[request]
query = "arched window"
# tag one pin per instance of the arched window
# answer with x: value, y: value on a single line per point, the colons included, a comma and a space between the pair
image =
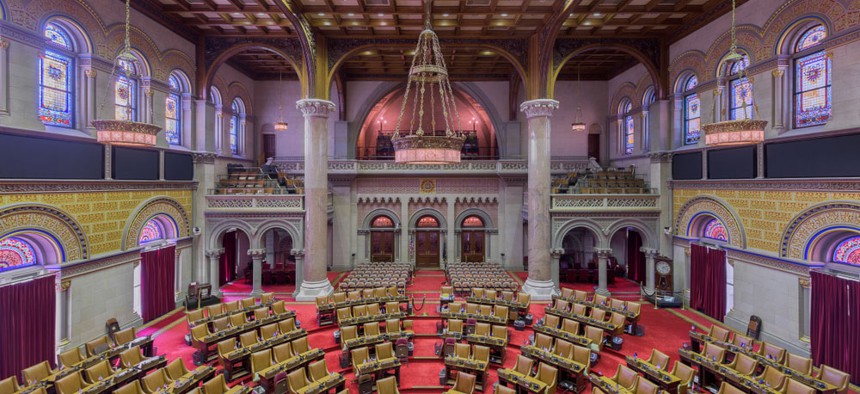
x: 173, y: 111
x: 715, y: 230
x: 848, y: 251
x: 627, y: 126
x: 647, y: 99
x: 56, y: 78
x: 126, y: 90
x: 158, y: 227
x: 16, y: 253
x: 812, y: 80
x: 382, y: 221
x: 473, y: 221
x: 215, y: 98
x: 692, y: 111
x: 428, y: 222
x: 237, y: 120
x: 740, y: 100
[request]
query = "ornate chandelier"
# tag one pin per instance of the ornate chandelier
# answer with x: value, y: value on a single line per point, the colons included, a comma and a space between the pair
x: 738, y: 131
x: 578, y: 126
x: 429, y: 85
x: 280, y: 125
x: 125, y: 131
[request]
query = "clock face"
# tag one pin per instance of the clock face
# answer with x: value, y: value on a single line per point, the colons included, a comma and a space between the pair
x: 663, y: 268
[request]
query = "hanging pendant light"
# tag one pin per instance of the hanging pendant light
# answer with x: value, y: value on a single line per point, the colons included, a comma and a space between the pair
x: 118, y: 131
x: 280, y: 125
x: 739, y: 131
x: 578, y: 126
x: 428, y: 82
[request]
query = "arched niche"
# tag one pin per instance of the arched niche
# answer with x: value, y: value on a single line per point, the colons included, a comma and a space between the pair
x: 693, y: 213
x: 149, y: 209
x: 45, y: 223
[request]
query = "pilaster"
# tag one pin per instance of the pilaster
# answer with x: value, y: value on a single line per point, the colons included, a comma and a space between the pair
x: 602, y: 264
x: 257, y: 256
x: 214, y: 270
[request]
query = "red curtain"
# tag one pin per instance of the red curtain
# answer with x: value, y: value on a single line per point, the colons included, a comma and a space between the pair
x: 635, y: 258
x: 27, y: 325
x: 834, y: 318
x: 228, y: 259
x: 157, y: 276
x: 708, y: 281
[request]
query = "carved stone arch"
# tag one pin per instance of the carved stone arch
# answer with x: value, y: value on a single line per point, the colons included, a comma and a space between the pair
x: 626, y: 91
x: 649, y: 235
x: 158, y: 205
x: 4, y: 12
x: 833, y: 14
x: 562, y: 57
x: 237, y: 89
x: 368, y: 219
x: 591, y: 225
x: 33, y: 14
x: 80, y: 33
x: 749, y: 42
x: 217, y: 55
x: 807, y: 225
x: 40, y: 217
x: 141, y: 42
x: 712, y: 206
x: 688, y: 63
x: 222, y: 86
x: 280, y: 224
x: 413, y: 221
x: 485, y: 217
x: 220, y: 228
x: 788, y: 35
x: 175, y: 60
x: 721, y: 70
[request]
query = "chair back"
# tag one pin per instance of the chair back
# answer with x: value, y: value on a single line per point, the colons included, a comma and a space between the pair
x: 773, y: 377
x: 387, y: 385
x: 199, y: 332
x: 798, y: 363
x: 835, y: 377
x: 359, y: 356
x: 131, y: 357
x: 384, y: 350
x: 268, y: 331
x: 598, y: 314
x: 551, y: 321
x: 373, y: 309
x: 125, y: 336
x: 232, y: 306
x: 684, y: 372
x: 339, y: 296
x: 481, y: 353
x: 543, y: 341
x: 175, y: 369
x: 297, y: 380
x: 626, y: 377
x: 500, y: 311
x: 37, y: 372
x: 226, y: 346
x: 582, y: 355
x: 300, y: 345
x: 455, y: 326
x: 563, y: 348
x: 248, y: 338
x: 524, y: 298
x: 595, y: 334
x: 216, y: 385
x: 70, y: 384
x: 392, y: 326
x: 285, y: 326
x: 794, y: 387
x: 726, y: 388
x: 579, y: 295
x: 282, y: 352
x: 261, y: 313
x: 660, y: 359
x: 773, y: 352
x: 248, y: 302
x: 465, y: 383
x: 279, y: 307
x: 744, y: 364
x: 618, y: 320
x: 616, y: 304
x: 237, y: 319
x: 70, y: 357
x: 601, y: 299
x: 561, y: 304
x: 644, y: 386
x: 261, y: 360
x: 349, y: 332
x: 500, y: 332
x: 482, y: 329
x: 97, y: 346
x: 524, y: 365
x: 462, y: 350
x: 636, y: 308
x: 154, y: 381
x: 195, y: 315
x: 719, y: 333
x: 131, y: 388
x: 578, y: 309
x: 714, y: 352
x: 566, y: 293
x: 266, y: 298
x: 344, y: 313
x: 220, y: 324
x: 9, y: 385
x: 549, y: 375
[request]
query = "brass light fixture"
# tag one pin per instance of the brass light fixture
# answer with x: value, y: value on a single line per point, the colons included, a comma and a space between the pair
x: 739, y: 131
x: 118, y: 131
x: 578, y: 126
x: 280, y: 125
x: 428, y: 82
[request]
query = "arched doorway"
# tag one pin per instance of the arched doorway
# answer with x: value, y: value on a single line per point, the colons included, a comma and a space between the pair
x: 427, y: 238
x: 630, y: 260
x: 382, y: 239
x: 234, y: 260
x: 473, y: 239
x: 279, y: 265
x: 578, y: 262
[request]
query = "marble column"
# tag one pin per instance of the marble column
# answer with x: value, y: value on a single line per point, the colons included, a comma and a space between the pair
x: 555, y: 255
x: 270, y: 248
x: 602, y: 263
x: 214, y: 257
x: 538, y: 112
x: 299, y: 255
x: 257, y: 256
x: 650, y: 254
x: 315, y: 282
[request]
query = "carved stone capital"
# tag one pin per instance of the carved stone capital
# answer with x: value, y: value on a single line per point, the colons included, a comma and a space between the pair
x: 90, y: 73
x: 315, y: 107
x: 4, y: 44
x: 203, y: 158
x: 650, y: 253
x: 65, y: 284
x: 660, y: 157
x: 556, y: 253
x: 805, y: 282
x: 539, y: 107
x: 687, y: 252
x: 778, y: 73
x: 299, y: 253
x: 257, y: 253
x: 603, y: 253
x: 214, y: 253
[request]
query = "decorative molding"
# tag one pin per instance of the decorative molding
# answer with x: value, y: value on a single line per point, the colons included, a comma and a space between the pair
x: 65, y: 284
x: 60, y: 225
x: 804, y: 282
x: 149, y: 209
x: 539, y: 107
x: 214, y: 253
x: 807, y: 225
x: 800, y: 268
x: 299, y: 253
x: 315, y: 107
x: 257, y: 253
x: 79, y: 268
x: 203, y: 157
x: 661, y: 157
x: 714, y: 207
x: 293, y: 202
x: 818, y: 185
x: 778, y: 73
x: 82, y: 186
x: 603, y: 253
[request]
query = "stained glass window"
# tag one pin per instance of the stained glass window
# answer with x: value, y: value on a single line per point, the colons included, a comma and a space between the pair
x: 125, y: 92
x: 715, y: 230
x: 473, y: 221
x: 692, y: 112
x: 626, y: 126
x: 16, y: 253
x: 810, y: 38
x: 428, y: 221
x: 55, y: 90
x: 812, y: 93
x: 848, y: 251
x: 151, y: 231
x: 57, y: 35
x: 740, y: 101
x: 173, y: 112
x: 234, y: 127
x: 382, y: 221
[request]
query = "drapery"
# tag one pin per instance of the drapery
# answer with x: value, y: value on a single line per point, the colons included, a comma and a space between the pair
x: 27, y: 324
x: 157, y: 275
x: 708, y: 281
x: 635, y: 258
x: 834, y: 318
x: 228, y: 259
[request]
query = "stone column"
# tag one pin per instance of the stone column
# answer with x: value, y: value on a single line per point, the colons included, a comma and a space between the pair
x: 452, y: 248
x: 555, y: 255
x: 539, y: 283
x: 299, y: 254
x: 257, y: 256
x: 270, y: 248
x: 404, y: 232
x: 778, y: 98
x: 602, y: 263
x: 315, y: 282
x: 649, y: 268
x: 214, y: 257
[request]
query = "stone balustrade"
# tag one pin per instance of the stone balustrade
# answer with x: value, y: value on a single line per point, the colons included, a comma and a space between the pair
x: 605, y: 202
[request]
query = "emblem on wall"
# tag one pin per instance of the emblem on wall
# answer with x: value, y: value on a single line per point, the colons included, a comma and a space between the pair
x: 428, y: 186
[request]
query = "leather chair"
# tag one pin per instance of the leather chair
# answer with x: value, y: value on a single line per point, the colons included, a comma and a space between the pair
x: 359, y: 357
x: 486, y: 310
x: 354, y: 295
x: 456, y: 306
x: 318, y: 370
x: 373, y: 309
x: 743, y: 364
x: 37, y: 372
x: 563, y: 348
x: 478, y: 292
x: 798, y: 363
x: 551, y: 321
x: 218, y: 385
x: 9, y: 385
x: 282, y: 352
x: 617, y: 304
x: 220, y: 324
x: 260, y: 361
x: 97, y: 346
x: 482, y: 329
x: 481, y: 353
x: 500, y: 311
x: 595, y: 334
x: 464, y: 384
x: 266, y: 298
x: 279, y: 307
x: 601, y: 299
x: 131, y: 388
x: 524, y: 365
x: 561, y: 304
x: 248, y: 338
x: 125, y: 336
x: 392, y: 291
x: 232, y: 306
x: 742, y: 341
x: 387, y: 385
x: 772, y: 352
x: 625, y: 377
x: 194, y: 315
x: 634, y: 307
x: 491, y: 294
x: 300, y: 346
x: 131, y: 357
x: 719, y: 333
x: 225, y: 347
x: 582, y: 355
x: 343, y: 314
x: 237, y: 319
x: 297, y: 381
x: 714, y: 353
x: 524, y: 298
x: 794, y: 387
x: 507, y: 295
x: 772, y: 377
x: 835, y: 377
x: 214, y: 310
x: 578, y: 309
x: 154, y: 381
x: 579, y: 295
x: 471, y: 308
x: 500, y: 332
x: 619, y: 321
x: 566, y: 293
x: 339, y: 296
x: 359, y: 310
x: 367, y: 293
x: 726, y: 388
x: 175, y: 369
x: 384, y: 351
x: 455, y: 327
x: 348, y: 333
x: 462, y: 350
x: 70, y: 357
x: 598, y: 314
x: 261, y: 313
x: 380, y: 292
x: 543, y: 341
x: 249, y: 302
x: 268, y: 331
x: 549, y: 375
x: 70, y: 384
x: 659, y: 359
x: 644, y: 386
x: 371, y: 329
x: 200, y: 332
x: 285, y: 326
x: 683, y: 372
x: 392, y: 307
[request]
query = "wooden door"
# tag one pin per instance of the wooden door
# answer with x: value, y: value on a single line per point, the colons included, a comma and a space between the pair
x: 268, y: 146
x: 472, y: 245
x: 427, y: 249
x: 594, y: 146
x: 381, y: 246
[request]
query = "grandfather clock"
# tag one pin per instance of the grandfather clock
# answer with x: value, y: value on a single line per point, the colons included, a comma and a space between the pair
x: 665, y: 280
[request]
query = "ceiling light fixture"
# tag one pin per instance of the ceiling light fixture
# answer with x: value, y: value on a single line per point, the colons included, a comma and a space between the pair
x: 578, y: 126
x: 280, y: 125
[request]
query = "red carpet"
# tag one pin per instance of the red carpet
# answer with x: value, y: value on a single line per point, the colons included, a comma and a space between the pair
x: 663, y: 330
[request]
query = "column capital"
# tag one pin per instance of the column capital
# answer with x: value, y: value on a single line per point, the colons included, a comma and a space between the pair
x: 660, y: 157
x: 257, y: 253
x: 315, y: 107
x: 556, y: 253
x: 603, y: 253
x: 4, y: 44
x: 539, y: 107
x: 649, y: 252
x: 203, y: 158
x: 214, y: 253
x: 299, y: 253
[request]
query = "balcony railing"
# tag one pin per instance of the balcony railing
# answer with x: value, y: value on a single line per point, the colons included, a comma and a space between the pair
x: 278, y: 202
x: 605, y: 202
x: 296, y: 166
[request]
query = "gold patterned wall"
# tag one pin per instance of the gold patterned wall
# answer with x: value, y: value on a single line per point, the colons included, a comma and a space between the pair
x: 764, y: 214
x: 102, y: 215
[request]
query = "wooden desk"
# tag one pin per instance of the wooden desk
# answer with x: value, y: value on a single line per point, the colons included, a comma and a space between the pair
x: 656, y: 375
x: 609, y: 328
x: 522, y: 383
x: 189, y: 381
x: 243, y: 354
x: 267, y: 376
x: 497, y: 346
x: 333, y: 380
x: 479, y: 318
x: 568, y: 369
x: 607, y: 385
x: 378, y: 366
x: 567, y: 336
x: 247, y: 311
x: 352, y: 321
x: 474, y: 367
x: 204, y: 354
x: 520, y: 308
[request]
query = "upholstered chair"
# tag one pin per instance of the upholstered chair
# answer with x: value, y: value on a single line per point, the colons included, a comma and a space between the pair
x: 551, y: 321
x: 131, y: 357
x: 260, y: 361
x: 384, y: 351
x: 659, y: 359
x: 462, y: 350
x: 524, y: 365
x: 69, y: 384
x: 743, y: 364
x: 268, y: 331
x: 726, y: 388
x: 549, y: 375
x: 9, y: 385
x: 798, y: 363
x: 285, y: 326
x: 175, y: 369
x: 131, y: 388
x: 625, y: 377
x: 154, y: 381
x: 300, y: 346
x: 773, y: 377
x: 37, y: 372
x: 70, y: 357
x: 719, y: 333
x: 97, y: 346
x: 644, y: 386
x: 835, y: 377
x: 387, y: 385
x: 125, y: 336
x: 543, y: 341
x: 794, y: 387
x: 282, y: 352
x: 464, y: 384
